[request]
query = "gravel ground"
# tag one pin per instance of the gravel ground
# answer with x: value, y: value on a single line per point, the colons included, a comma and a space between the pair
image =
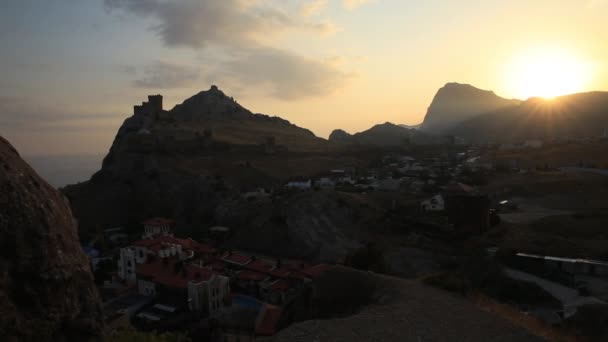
x: 409, y: 311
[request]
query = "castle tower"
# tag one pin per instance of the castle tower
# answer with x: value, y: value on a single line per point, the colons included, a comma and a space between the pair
x: 156, y: 103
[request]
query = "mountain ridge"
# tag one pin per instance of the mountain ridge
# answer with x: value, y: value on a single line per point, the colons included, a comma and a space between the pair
x: 455, y: 102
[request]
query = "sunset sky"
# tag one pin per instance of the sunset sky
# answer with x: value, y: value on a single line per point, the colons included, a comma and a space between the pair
x: 72, y: 69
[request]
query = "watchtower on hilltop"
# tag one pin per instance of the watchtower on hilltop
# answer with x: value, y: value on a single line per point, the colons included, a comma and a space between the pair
x: 152, y: 107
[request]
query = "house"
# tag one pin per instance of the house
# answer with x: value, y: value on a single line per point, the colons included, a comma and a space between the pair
x: 157, y: 226
x: 299, y: 184
x: 203, y: 290
x: 325, y: 183
x: 139, y: 252
x: 467, y: 209
x: 436, y: 203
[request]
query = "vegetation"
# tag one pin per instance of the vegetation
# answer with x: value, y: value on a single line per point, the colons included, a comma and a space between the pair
x: 137, y: 336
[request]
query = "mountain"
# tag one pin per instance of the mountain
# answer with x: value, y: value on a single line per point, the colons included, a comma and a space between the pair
x: 386, y: 134
x: 46, y: 287
x: 570, y: 116
x: 183, y: 162
x: 411, y: 126
x: 455, y: 103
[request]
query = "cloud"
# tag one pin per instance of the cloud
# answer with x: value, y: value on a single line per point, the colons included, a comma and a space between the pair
x: 354, y: 4
x: 236, y: 36
x: 284, y: 75
x: 162, y: 75
x: 199, y: 23
x: 313, y: 7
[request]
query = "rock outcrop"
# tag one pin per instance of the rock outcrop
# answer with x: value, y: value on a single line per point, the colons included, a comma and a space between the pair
x: 455, y: 103
x: 340, y: 136
x: 396, y: 310
x: 46, y: 286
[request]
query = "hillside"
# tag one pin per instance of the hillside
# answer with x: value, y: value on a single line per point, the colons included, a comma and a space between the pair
x: 229, y: 122
x: 391, y: 309
x: 570, y: 116
x: 46, y: 288
x: 455, y: 103
x: 386, y: 134
x: 183, y: 162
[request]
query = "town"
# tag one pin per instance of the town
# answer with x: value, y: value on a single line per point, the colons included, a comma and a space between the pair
x: 154, y: 280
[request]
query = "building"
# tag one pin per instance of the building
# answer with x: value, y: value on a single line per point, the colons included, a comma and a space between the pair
x: 299, y: 184
x: 157, y: 226
x: 468, y: 210
x: 203, y: 290
x: 436, y: 203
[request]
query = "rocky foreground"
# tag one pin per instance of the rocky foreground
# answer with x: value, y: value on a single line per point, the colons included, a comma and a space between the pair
x: 46, y: 286
x: 403, y: 310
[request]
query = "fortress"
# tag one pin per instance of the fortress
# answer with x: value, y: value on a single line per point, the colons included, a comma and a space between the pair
x: 153, y: 107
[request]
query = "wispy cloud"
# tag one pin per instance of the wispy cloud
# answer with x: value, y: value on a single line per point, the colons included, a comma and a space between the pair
x: 240, y: 29
x: 162, y: 75
x: 313, y: 7
x: 354, y: 4
x: 285, y: 75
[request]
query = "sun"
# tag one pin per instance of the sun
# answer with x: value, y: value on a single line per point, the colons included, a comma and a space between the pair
x: 547, y: 73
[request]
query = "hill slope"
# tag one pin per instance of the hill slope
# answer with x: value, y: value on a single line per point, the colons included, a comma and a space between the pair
x: 454, y: 103
x: 398, y: 310
x: 577, y: 115
x: 386, y: 134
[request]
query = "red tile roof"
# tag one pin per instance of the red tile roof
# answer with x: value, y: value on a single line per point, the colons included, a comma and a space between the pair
x: 157, y: 221
x: 281, y: 272
x: 157, y: 242
x: 251, y: 275
x: 260, y: 265
x: 280, y: 285
x: 315, y: 271
x: 165, y: 274
x: 268, y: 320
x: 236, y: 258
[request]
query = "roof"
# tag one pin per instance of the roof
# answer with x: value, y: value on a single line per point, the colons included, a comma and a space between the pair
x: 155, y: 244
x: 460, y: 188
x: 219, y: 229
x: 251, y: 275
x: 157, y: 221
x: 260, y: 265
x: 237, y: 258
x: 268, y: 320
x: 280, y: 285
x: 281, y: 272
x: 315, y: 271
x: 169, y: 275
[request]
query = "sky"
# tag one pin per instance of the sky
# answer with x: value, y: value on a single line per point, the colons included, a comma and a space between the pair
x: 72, y: 69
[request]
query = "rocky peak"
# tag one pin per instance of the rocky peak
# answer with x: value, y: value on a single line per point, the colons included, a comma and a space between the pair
x: 340, y: 136
x: 454, y: 103
x: 46, y: 287
x: 212, y: 103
